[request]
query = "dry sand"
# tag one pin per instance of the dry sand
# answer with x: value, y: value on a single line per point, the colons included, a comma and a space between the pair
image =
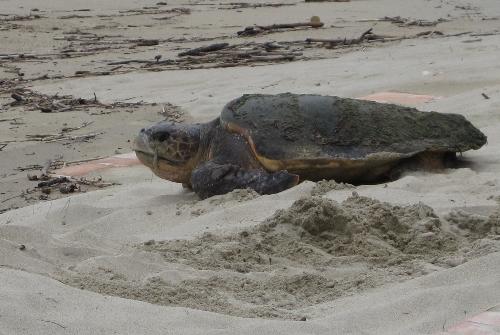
x: 146, y: 257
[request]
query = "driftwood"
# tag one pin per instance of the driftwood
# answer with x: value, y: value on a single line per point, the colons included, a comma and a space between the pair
x: 146, y: 43
x: 130, y: 61
x: 272, y: 58
x: 406, y: 22
x: 60, y: 137
x: 242, y: 5
x: 255, y: 30
x: 204, y: 49
x: 155, y: 10
x: 74, y: 16
x: 63, y: 135
x: 327, y: 0
x: 52, y: 182
x: 367, y: 35
x: 10, y: 119
x: 429, y: 32
x: 69, y: 129
x: 53, y: 104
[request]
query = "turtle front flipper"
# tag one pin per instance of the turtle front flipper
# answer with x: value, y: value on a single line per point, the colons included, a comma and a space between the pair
x: 211, y: 179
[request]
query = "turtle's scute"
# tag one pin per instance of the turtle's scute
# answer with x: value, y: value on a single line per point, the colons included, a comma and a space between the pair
x: 291, y: 127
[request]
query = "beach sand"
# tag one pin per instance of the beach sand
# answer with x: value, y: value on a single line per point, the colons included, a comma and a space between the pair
x: 412, y: 256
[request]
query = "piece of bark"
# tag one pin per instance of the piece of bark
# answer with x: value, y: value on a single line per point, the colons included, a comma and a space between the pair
x: 52, y: 182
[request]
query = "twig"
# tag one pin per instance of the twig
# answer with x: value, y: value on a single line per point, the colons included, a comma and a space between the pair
x: 52, y: 182
x: 10, y: 119
x: 49, y: 138
x: 292, y: 25
x: 124, y: 62
x: 251, y: 31
x: 485, y: 96
x: 68, y: 129
x: 30, y: 167
x: 146, y: 43
x: 84, y: 160
x: 13, y: 197
x: 75, y: 138
x: 28, y: 191
x: 57, y: 324
x: 3, y: 145
x: 204, y: 49
x: 333, y: 42
x: 406, y: 22
x: 242, y: 5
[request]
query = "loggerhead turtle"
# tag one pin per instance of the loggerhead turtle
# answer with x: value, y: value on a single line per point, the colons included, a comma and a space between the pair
x: 270, y: 142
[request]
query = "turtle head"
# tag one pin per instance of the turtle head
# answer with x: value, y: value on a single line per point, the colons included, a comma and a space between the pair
x: 169, y: 149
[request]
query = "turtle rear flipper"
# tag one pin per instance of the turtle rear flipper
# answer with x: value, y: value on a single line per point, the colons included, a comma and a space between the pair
x: 211, y: 179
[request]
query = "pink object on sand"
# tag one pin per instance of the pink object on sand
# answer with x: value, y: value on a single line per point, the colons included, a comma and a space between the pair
x: 486, y: 323
x: 400, y: 98
x: 83, y: 169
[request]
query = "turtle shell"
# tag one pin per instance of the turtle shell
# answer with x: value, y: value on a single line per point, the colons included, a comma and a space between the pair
x: 313, y: 132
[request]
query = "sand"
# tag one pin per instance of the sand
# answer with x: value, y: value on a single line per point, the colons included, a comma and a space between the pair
x: 412, y: 256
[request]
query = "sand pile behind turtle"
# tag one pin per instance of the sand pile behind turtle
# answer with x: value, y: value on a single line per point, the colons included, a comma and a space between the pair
x: 324, y: 186
x: 313, y: 252
x: 364, y: 226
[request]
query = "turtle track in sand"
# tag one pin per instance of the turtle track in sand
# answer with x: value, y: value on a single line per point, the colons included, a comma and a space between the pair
x: 313, y: 252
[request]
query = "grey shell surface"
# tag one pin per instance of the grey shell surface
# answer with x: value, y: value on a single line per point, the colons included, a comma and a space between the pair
x: 300, y: 127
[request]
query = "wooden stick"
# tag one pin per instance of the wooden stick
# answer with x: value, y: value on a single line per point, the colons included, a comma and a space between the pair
x: 327, y: 0
x: 52, y: 182
x: 250, y: 31
x: 343, y: 41
x: 124, y: 62
x: 292, y: 25
x: 10, y: 119
x: 204, y: 49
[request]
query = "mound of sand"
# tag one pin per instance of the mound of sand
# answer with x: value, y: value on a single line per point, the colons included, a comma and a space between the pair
x: 313, y: 252
x: 324, y: 186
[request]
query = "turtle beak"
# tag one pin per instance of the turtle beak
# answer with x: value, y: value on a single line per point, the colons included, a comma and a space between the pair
x: 143, y: 150
x: 142, y: 144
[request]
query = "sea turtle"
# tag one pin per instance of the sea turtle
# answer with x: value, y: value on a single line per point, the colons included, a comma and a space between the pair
x: 270, y: 142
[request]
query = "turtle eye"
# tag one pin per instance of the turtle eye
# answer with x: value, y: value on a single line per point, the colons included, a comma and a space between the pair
x: 160, y: 136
